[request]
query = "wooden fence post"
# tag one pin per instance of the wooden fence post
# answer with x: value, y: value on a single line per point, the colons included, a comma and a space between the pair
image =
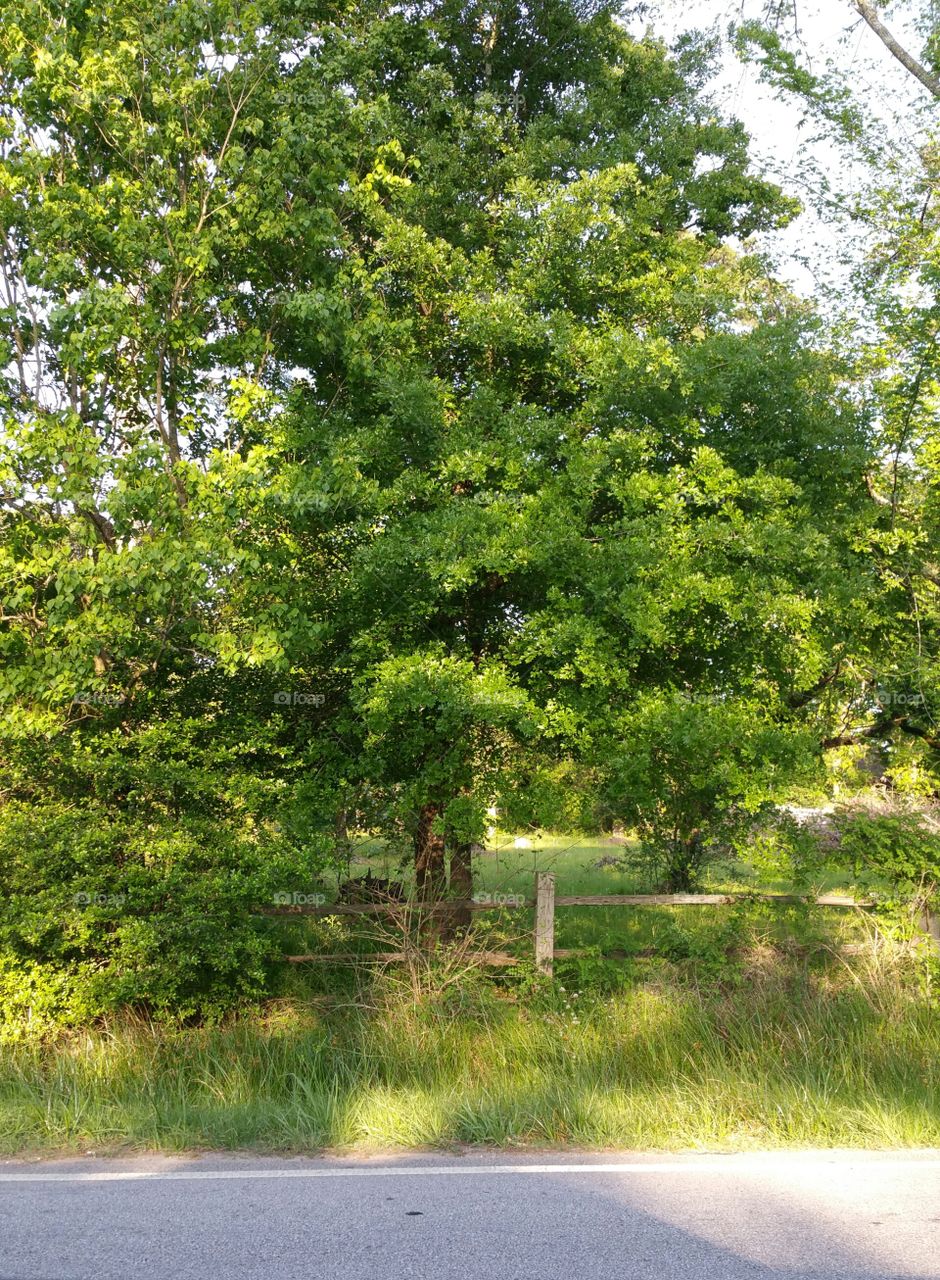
x: 930, y: 923
x: 544, y: 921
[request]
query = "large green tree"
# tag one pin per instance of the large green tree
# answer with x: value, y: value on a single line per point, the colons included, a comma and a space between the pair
x: 393, y: 410
x: 561, y: 442
x: 158, y: 191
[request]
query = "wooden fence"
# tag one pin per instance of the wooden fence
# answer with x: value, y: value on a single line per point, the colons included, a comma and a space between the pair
x: 545, y: 902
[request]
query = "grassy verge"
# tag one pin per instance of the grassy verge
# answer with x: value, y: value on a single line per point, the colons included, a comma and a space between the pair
x: 784, y: 1053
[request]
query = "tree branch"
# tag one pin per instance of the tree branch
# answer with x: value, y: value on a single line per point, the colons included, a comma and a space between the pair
x: 920, y: 72
x: 874, y: 495
x: 855, y: 737
x: 880, y: 729
x: 798, y: 700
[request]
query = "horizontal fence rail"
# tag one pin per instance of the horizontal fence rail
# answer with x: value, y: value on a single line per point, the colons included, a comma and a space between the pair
x: 545, y: 903
x: 702, y: 899
x: 414, y: 905
x: 561, y: 900
x: 503, y: 959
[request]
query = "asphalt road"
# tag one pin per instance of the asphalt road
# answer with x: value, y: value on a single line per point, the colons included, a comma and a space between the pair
x: 812, y: 1215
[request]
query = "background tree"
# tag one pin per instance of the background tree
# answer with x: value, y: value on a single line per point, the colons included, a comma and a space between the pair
x: 887, y: 322
x: 559, y: 437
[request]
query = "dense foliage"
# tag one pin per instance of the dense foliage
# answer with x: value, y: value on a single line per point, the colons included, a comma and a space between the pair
x: 397, y: 423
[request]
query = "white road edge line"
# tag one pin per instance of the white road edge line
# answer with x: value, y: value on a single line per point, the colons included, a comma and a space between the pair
x: 723, y: 1166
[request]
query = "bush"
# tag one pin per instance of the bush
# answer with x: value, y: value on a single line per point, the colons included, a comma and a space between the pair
x: 130, y: 864
x: 896, y: 843
x: 100, y: 912
x: 693, y: 774
x: 794, y: 844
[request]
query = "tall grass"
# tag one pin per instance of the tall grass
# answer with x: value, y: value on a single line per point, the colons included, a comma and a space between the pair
x: 844, y: 1055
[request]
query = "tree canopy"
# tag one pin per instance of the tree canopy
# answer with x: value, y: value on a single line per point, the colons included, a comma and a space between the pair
x: 399, y: 418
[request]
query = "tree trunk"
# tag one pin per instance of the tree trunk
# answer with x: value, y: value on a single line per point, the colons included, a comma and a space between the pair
x: 461, y: 882
x: 430, y: 871
x: 341, y: 837
x: 682, y: 869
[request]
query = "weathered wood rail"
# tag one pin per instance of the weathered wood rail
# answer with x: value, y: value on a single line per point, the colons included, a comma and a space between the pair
x: 561, y: 900
x: 545, y: 903
x: 501, y: 959
x: 383, y: 908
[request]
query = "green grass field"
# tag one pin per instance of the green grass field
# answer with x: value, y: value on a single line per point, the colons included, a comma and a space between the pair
x: 573, y: 859
x: 787, y: 1055
x: 748, y: 1027
x: 509, y: 870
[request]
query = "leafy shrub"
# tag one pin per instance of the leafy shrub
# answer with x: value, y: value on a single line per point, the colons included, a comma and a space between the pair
x: 130, y: 864
x: 692, y: 774
x: 900, y: 845
x: 99, y: 912
x: 710, y: 951
x: 592, y: 971
x: 792, y: 844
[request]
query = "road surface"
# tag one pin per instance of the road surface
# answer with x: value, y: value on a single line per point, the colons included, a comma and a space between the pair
x: 807, y: 1215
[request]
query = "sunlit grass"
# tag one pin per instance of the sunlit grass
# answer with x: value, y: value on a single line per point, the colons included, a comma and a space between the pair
x: 784, y: 1056
x: 747, y: 1029
x: 582, y: 864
